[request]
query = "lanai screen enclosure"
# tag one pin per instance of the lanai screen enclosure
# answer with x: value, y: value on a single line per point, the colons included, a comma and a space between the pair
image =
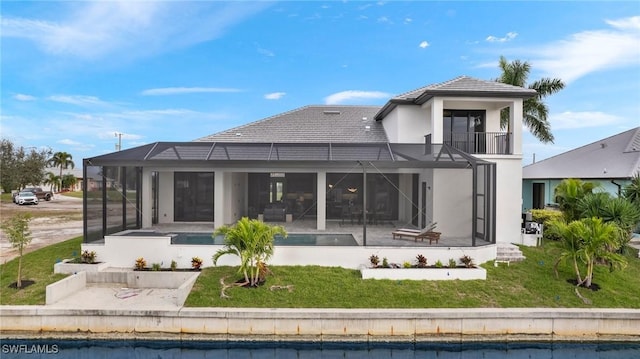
x: 218, y: 182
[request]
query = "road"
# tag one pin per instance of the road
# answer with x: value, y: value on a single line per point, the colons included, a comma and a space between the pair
x: 54, y: 221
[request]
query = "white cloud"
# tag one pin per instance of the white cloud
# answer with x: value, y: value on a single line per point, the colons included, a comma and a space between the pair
x: 69, y: 142
x: 351, y: 95
x: 23, y: 97
x: 384, y: 20
x: 186, y: 90
x: 266, y: 52
x: 590, y: 51
x: 408, y: 20
x: 98, y: 29
x: 424, y: 44
x: 629, y: 23
x: 508, y: 37
x: 79, y: 100
x: 572, y: 120
x: 274, y: 95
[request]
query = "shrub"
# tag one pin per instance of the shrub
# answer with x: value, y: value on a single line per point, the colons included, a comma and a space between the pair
x: 174, y: 265
x: 439, y: 264
x: 385, y: 262
x: 452, y: 263
x: 88, y: 256
x: 156, y: 267
x: 374, y: 260
x: 467, y: 261
x: 422, y: 261
x: 406, y: 264
x: 141, y: 263
x: 196, y: 263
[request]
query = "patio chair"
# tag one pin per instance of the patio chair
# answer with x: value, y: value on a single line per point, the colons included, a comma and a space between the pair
x: 422, y: 234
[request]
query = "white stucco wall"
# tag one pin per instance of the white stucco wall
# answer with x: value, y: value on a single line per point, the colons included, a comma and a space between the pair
x: 407, y: 124
x: 165, y: 197
x: 508, y: 197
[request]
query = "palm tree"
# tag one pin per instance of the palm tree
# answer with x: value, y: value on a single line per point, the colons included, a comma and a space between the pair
x: 52, y: 180
x: 68, y: 181
x: 62, y: 160
x: 597, y: 237
x: 534, y: 110
x: 252, y: 241
x: 619, y: 211
x: 632, y: 190
x: 570, y: 243
x: 589, y: 241
x: 568, y: 193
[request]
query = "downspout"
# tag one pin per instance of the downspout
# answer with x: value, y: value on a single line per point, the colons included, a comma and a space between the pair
x: 619, y: 187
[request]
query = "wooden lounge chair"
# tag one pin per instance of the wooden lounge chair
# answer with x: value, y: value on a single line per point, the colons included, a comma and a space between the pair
x: 422, y: 234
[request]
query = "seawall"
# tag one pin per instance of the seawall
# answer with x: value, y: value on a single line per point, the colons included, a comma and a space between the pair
x: 361, y: 325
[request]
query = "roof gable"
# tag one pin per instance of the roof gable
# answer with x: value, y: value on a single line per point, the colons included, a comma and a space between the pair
x: 310, y: 124
x: 617, y: 156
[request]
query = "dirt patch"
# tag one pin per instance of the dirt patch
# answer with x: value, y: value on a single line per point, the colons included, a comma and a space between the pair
x: 53, y: 222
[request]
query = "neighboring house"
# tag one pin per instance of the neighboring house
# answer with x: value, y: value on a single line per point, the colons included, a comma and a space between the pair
x: 610, y: 162
x: 77, y: 172
x: 435, y: 154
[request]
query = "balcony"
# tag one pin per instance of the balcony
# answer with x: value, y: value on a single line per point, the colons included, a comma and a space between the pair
x: 485, y: 143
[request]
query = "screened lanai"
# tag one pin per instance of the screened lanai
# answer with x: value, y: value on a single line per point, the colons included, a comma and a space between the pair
x: 359, y: 184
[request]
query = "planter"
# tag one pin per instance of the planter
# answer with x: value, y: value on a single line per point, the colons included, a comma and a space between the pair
x: 460, y: 273
x: 67, y: 267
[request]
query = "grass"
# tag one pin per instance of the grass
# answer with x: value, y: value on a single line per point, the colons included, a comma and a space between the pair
x: 36, y: 266
x: 531, y: 283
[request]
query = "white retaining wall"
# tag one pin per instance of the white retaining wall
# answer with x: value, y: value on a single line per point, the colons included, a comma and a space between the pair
x: 540, y: 324
x: 122, y: 252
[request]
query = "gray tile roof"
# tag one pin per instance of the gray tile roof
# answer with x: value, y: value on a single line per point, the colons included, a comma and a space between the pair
x: 460, y: 86
x: 310, y: 124
x: 617, y: 156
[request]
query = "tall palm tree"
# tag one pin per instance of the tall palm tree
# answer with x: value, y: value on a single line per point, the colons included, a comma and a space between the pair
x: 534, y: 110
x: 62, y: 160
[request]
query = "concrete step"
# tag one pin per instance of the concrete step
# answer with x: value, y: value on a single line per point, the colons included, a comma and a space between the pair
x: 509, y: 253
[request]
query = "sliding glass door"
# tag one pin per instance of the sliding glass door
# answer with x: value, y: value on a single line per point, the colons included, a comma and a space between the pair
x: 193, y: 197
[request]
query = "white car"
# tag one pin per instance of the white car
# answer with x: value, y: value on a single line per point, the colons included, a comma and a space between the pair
x: 26, y: 197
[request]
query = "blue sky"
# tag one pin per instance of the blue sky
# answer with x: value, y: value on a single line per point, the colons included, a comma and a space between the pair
x: 75, y: 73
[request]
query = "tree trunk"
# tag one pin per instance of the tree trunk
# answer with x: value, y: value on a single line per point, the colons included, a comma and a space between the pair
x: 575, y: 266
x: 19, y: 281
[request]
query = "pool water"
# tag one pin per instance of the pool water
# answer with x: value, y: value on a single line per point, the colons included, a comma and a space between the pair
x: 293, y: 239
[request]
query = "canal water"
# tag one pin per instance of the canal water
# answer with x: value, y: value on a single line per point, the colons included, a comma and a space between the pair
x: 98, y: 349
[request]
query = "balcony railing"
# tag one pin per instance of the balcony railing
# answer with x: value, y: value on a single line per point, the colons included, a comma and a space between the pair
x: 486, y: 143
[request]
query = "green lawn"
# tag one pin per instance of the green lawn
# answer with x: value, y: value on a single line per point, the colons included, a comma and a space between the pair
x: 36, y: 266
x: 527, y: 284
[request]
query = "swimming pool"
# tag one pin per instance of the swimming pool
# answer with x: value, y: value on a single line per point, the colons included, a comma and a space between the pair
x: 293, y: 239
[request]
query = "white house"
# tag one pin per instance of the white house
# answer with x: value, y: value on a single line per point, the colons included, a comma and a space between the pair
x: 434, y: 154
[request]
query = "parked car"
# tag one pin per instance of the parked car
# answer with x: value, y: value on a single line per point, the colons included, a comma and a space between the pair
x: 39, y: 192
x: 26, y: 197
